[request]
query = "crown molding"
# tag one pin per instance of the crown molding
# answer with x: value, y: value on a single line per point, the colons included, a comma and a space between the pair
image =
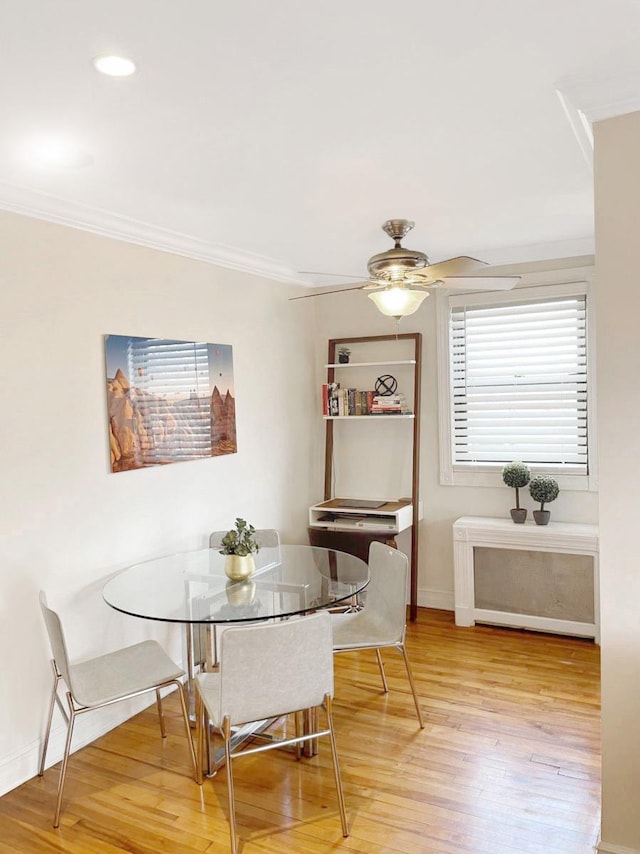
x: 580, y: 125
x: 586, y: 100
x: 603, y: 97
x: 33, y: 203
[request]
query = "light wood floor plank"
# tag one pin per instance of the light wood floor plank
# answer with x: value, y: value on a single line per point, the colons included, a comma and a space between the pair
x: 508, y: 763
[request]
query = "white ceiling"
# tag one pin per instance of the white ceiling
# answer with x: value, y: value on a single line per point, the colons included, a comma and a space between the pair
x: 278, y: 136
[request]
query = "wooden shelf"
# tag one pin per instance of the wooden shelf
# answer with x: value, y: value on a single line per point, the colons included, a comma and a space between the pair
x: 367, y: 417
x: 370, y: 364
x: 361, y: 541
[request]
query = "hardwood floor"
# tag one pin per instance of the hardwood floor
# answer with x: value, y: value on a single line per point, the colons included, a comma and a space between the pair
x: 508, y: 763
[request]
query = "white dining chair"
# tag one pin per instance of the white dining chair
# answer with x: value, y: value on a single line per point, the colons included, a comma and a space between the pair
x: 102, y: 681
x: 383, y: 620
x: 266, y: 671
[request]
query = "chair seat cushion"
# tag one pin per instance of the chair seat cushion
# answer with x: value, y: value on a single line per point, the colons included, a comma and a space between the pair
x: 362, y: 629
x: 109, y: 677
x: 208, y: 685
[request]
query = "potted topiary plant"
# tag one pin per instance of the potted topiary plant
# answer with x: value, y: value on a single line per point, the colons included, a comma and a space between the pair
x: 239, y: 545
x: 343, y: 355
x: 543, y: 489
x: 517, y: 475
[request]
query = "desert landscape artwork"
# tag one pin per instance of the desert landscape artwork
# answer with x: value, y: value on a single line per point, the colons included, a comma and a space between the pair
x: 168, y: 401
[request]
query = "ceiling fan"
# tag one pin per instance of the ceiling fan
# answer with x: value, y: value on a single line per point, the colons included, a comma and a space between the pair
x: 399, y: 279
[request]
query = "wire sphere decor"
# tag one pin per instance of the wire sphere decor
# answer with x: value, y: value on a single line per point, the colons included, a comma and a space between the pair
x: 386, y: 385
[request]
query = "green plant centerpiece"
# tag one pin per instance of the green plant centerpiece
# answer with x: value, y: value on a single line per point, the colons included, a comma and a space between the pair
x: 543, y: 489
x: 239, y: 545
x: 517, y: 476
x: 343, y: 355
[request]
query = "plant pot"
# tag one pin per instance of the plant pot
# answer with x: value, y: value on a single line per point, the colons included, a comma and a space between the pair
x: 240, y: 594
x: 239, y: 567
x: 343, y: 358
x: 518, y: 514
x: 541, y: 517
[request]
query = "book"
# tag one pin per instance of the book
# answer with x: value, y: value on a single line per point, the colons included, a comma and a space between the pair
x: 351, y: 401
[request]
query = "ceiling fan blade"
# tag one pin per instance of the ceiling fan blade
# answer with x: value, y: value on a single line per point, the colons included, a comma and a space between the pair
x: 482, y: 283
x: 459, y: 266
x: 325, y: 293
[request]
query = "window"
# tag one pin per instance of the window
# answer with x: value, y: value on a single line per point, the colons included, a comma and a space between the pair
x: 517, y: 384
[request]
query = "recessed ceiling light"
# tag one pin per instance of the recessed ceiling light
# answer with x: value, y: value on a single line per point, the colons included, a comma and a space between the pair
x: 114, y: 66
x: 57, y: 153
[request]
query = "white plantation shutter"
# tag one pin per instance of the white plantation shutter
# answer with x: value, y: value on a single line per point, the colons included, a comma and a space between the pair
x: 519, y: 384
x: 172, y: 379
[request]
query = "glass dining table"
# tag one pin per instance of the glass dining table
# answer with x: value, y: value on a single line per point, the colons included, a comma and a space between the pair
x: 192, y: 589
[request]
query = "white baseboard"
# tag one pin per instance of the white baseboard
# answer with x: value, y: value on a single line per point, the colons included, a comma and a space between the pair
x: 442, y: 600
x: 608, y: 848
x: 22, y: 765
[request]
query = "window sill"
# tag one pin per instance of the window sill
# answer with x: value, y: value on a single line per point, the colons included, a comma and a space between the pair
x: 566, y: 482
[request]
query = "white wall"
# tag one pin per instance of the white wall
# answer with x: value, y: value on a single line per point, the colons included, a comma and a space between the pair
x: 617, y: 216
x: 66, y: 522
x: 352, y: 314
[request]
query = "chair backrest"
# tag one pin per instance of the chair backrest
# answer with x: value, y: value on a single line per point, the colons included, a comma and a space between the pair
x: 386, y: 593
x: 56, y: 639
x: 264, y: 537
x: 270, y: 669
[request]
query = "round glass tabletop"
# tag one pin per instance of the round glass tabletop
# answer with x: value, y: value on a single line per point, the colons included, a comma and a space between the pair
x: 191, y: 587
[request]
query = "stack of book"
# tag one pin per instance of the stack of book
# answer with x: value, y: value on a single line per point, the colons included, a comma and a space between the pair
x: 338, y: 401
x: 389, y: 404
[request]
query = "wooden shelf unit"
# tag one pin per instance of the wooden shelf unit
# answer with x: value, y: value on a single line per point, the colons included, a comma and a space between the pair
x: 416, y: 362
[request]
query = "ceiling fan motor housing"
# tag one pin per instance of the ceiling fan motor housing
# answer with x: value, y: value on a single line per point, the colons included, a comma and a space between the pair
x: 396, y: 263
x: 391, y: 265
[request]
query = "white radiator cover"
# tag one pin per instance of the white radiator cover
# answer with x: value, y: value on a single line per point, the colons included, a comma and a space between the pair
x: 528, y: 576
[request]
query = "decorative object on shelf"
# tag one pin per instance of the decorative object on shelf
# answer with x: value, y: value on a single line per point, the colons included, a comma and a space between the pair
x: 239, y: 545
x: 386, y: 385
x: 517, y: 475
x: 543, y: 489
x: 343, y: 355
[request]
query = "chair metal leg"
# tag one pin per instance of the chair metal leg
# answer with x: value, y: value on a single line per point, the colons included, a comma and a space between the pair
x: 402, y: 649
x: 54, y: 694
x: 226, y: 733
x: 187, y: 727
x: 199, y: 738
x: 63, y: 770
x: 297, y: 716
x: 336, y: 766
x: 160, y: 713
x: 310, y: 724
x: 385, y: 687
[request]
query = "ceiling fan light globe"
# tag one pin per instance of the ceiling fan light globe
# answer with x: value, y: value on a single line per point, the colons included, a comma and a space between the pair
x: 398, y: 302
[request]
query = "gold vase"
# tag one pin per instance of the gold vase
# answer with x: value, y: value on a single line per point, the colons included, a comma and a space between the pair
x: 240, y: 593
x: 239, y: 567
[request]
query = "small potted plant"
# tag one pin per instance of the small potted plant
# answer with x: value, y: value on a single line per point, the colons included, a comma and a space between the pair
x: 239, y: 545
x: 343, y: 355
x: 543, y: 489
x: 517, y: 475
